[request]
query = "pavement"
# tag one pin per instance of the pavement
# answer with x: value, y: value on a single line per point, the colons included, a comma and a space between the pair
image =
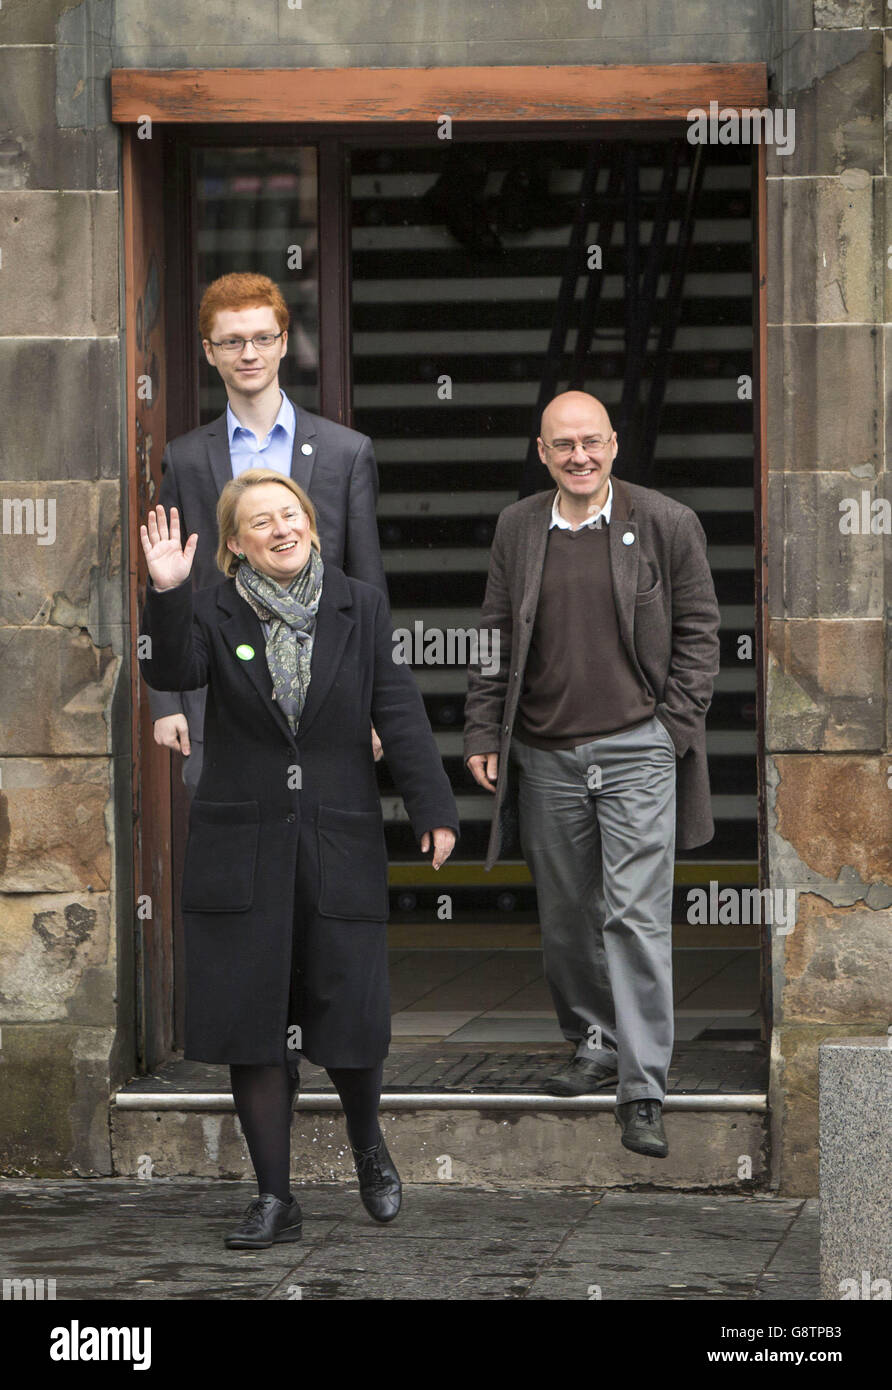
x: 162, y: 1239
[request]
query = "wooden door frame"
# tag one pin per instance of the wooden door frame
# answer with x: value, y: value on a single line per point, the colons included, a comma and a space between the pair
x: 362, y: 104
x: 512, y: 93
x: 145, y: 301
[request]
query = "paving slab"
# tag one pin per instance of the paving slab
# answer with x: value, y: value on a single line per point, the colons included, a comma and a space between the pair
x: 124, y: 1240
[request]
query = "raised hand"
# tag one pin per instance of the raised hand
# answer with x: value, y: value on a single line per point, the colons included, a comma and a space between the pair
x: 168, y: 563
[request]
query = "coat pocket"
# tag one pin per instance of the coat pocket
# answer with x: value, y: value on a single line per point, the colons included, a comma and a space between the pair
x: 647, y: 595
x: 352, y: 865
x: 221, y: 856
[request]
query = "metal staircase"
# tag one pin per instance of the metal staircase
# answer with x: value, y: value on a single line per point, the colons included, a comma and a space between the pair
x: 446, y: 283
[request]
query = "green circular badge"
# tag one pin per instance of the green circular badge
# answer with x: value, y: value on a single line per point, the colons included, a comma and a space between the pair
x: 244, y: 651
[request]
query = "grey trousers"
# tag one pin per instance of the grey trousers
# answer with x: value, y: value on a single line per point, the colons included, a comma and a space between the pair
x: 597, y: 827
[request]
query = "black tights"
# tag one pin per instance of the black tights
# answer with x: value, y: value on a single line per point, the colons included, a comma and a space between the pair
x: 263, y: 1099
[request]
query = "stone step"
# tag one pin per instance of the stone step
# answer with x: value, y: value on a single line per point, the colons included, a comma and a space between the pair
x: 501, y: 1139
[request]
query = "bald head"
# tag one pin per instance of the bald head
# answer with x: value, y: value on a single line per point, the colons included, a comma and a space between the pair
x: 575, y: 412
x: 578, y: 446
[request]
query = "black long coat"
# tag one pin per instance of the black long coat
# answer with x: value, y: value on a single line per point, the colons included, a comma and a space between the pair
x: 281, y: 821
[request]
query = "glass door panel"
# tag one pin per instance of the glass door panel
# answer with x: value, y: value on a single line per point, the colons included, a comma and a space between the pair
x: 257, y: 210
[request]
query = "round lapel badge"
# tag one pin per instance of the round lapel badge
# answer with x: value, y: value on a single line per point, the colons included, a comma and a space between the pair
x: 628, y: 538
x: 306, y: 448
x: 244, y: 652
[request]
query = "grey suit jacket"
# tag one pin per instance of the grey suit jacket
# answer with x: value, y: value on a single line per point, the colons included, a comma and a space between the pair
x: 341, y: 477
x: 668, y: 620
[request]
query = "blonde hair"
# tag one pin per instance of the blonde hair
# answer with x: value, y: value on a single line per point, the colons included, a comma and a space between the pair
x: 227, y: 511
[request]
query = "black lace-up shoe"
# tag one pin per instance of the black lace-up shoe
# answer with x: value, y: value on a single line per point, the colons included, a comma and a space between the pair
x: 379, y: 1182
x: 267, y: 1222
x: 642, y: 1122
x: 580, y: 1077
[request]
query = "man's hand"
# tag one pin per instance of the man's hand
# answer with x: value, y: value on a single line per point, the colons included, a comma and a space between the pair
x: 485, y: 769
x: 172, y: 731
x: 444, y: 843
x: 377, y: 750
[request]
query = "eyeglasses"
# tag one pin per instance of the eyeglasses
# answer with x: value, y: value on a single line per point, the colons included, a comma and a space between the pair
x: 562, y: 448
x: 263, y: 341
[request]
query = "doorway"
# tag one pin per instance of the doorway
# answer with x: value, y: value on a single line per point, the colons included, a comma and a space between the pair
x: 471, y: 294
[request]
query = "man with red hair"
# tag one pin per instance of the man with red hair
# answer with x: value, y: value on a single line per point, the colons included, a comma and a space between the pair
x: 244, y: 320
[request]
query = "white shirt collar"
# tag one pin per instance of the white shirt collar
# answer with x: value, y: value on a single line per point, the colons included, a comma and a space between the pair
x: 558, y: 520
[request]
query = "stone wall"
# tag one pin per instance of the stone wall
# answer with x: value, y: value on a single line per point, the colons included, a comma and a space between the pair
x: 66, y: 973
x: 828, y: 768
x: 66, y: 921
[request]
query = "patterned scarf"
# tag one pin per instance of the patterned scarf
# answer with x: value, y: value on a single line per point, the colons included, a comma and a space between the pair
x: 292, y: 615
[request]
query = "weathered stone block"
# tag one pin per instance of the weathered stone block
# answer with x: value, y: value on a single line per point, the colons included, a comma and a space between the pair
x: 86, y: 24
x: 847, y: 14
x: 793, y: 1099
x: 831, y: 826
x: 34, y: 22
x: 826, y: 685
x: 57, y: 959
x: 401, y: 21
x: 838, y: 370
x: 824, y: 250
x: 886, y: 191
x: 798, y: 15
x: 60, y: 263
x: 34, y: 151
x: 702, y: 17
x: 83, y: 61
x: 54, y: 1098
x: 59, y: 693
x: 815, y: 568
x: 75, y: 579
x: 423, y: 52
x: 165, y: 23
x: 45, y: 432
x: 618, y: 46
x: 833, y: 82
x: 53, y: 836
x: 837, y: 964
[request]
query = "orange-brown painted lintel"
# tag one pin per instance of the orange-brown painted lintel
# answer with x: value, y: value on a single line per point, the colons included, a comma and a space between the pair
x: 554, y: 93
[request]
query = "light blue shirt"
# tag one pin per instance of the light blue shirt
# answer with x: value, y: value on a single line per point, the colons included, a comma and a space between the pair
x: 276, y: 449
x: 602, y: 515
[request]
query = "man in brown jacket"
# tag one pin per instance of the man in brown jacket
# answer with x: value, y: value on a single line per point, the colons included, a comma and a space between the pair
x: 591, y: 734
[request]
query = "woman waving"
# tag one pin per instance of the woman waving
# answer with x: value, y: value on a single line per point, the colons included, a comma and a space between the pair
x: 285, y: 892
